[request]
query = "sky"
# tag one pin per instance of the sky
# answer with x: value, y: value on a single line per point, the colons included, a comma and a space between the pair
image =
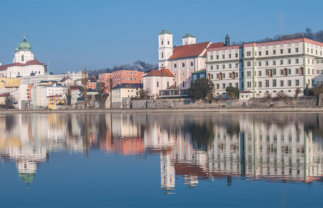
x: 70, y: 35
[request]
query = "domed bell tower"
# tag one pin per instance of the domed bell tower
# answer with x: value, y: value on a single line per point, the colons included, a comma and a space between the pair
x: 165, y: 48
x: 23, y: 52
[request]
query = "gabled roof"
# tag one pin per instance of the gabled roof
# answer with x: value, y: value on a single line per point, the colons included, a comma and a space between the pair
x: 32, y: 62
x: 159, y: 73
x: 186, y: 51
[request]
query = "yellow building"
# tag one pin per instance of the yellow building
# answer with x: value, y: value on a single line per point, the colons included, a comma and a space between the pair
x: 53, y: 100
x: 6, y: 82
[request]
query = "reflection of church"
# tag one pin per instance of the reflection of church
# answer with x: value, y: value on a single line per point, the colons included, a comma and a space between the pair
x: 240, y: 147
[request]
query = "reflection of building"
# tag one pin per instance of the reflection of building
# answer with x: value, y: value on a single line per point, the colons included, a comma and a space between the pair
x: 284, y: 148
x: 285, y: 152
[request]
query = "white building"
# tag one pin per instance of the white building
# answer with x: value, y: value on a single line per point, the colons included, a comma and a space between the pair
x: 157, y: 80
x: 182, y: 60
x: 24, y: 64
x: 266, y: 67
x: 40, y: 94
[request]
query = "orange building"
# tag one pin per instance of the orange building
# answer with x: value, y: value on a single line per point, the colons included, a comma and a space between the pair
x: 106, y: 78
x: 126, y: 76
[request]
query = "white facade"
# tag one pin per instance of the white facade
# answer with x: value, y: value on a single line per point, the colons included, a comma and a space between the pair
x: 268, y: 67
x: 165, y: 48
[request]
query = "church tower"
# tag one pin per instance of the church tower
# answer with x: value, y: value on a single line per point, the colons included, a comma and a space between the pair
x: 23, y: 52
x: 165, y: 48
x: 227, y: 40
x: 188, y: 39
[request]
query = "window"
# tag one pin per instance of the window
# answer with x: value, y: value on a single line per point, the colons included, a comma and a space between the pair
x: 297, y: 82
x: 230, y: 75
x: 157, y: 84
x: 289, y: 61
x: 274, y: 83
x: 289, y: 50
x: 217, y: 66
x: 192, y: 64
x: 267, y: 63
x: 183, y: 64
x: 267, y: 72
x: 217, y: 86
x: 248, y: 53
x: 22, y: 58
x: 259, y: 73
x: 267, y: 52
x: 282, y: 83
x: 162, y: 55
x: 217, y: 56
x: 274, y: 52
x: 167, y: 42
x: 237, y: 75
x: 237, y: 85
x: 296, y: 50
x: 259, y: 53
x: 274, y: 62
x: 259, y: 64
x: 289, y: 82
x: 248, y: 63
x: 229, y: 55
x: 223, y: 66
x: 281, y: 62
x: 281, y: 51
x: 211, y: 57
x: 281, y: 72
x: 296, y: 71
x: 259, y: 84
x: 211, y: 67
x: 237, y: 65
x: 175, y: 65
x: 297, y: 61
x: 248, y: 84
x: 274, y: 71
x: 248, y: 73
x: 236, y: 55
x: 289, y: 71
x: 223, y: 56
x: 230, y: 65
x: 267, y: 83
x: 183, y: 84
x: 223, y: 75
x: 223, y: 85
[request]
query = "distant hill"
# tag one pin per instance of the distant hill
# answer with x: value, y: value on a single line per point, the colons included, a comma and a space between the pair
x: 137, y: 65
x: 318, y: 36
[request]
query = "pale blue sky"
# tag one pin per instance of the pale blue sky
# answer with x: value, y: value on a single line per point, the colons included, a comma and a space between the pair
x: 71, y: 34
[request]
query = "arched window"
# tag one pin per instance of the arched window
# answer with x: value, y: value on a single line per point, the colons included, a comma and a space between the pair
x: 162, y: 55
x: 22, y: 58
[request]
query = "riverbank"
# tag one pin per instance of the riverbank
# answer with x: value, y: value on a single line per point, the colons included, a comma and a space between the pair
x: 162, y: 110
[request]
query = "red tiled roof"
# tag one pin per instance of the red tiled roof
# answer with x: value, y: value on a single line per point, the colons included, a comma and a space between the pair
x: 192, y: 50
x: 6, y: 94
x: 215, y: 45
x: 160, y: 73
x: 32, y: 62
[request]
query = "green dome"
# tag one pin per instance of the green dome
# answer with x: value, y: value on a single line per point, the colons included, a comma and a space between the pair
x: 16, y: 50
x: 164, y: 32
x: 23, y: 46
x: 28, y: 178
x: 188, y: 35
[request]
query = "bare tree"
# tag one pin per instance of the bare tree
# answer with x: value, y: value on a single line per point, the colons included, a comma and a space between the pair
x: 85, y: 81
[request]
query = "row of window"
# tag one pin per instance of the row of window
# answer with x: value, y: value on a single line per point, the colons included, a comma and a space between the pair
x: 274, y: 52
x: 236, y: 55
x: 282, y: 83
x: 183, y: 64
x: 274, y: 62
x: 224, y: 85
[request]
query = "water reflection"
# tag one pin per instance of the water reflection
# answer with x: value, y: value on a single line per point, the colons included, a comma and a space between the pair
x: 268, y: 147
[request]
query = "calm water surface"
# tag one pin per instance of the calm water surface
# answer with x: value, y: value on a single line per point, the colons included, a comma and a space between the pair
x: 161, y: 159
